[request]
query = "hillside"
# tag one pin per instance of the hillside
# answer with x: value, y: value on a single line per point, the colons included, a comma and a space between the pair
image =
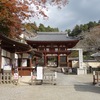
x: 91, y: 39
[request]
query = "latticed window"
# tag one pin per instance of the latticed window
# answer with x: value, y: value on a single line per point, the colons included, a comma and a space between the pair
x: 41, y: 49
x: 63, y: 58
x: 62, y: 49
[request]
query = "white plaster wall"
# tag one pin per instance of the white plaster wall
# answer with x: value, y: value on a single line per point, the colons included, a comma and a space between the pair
x: 4, y: 62
x: 93, y: 64
x: 3, y: 52
x: 24, y: 62
x: 8, y: 54
x: 86, y: 64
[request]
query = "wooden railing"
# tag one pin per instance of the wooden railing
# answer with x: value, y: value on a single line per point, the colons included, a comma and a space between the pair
x: 6, y: 77
x: 50, y: 78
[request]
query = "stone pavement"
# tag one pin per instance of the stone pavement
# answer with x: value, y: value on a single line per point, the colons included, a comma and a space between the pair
x: 62, y: 79
x: 69, y: 87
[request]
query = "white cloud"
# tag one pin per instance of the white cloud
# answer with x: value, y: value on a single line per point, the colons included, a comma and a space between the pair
x: 76, y: 12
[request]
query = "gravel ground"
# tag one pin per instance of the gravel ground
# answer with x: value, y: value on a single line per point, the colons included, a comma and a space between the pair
x: 69, y: 87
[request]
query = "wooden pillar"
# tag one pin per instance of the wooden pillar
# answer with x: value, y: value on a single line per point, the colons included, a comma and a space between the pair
x: 45, y: 60
x: 21, y: 64
x: 45, y: 57
x: 66, y: 60
x: 30, y: 62
x: 37, y: 61
x: 58, y: 60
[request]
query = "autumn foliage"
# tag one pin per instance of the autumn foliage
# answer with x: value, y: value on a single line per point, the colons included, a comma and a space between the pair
x: 14, y: 12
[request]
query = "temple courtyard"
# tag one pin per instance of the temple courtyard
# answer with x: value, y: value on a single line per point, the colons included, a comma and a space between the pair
x: 69, y: 87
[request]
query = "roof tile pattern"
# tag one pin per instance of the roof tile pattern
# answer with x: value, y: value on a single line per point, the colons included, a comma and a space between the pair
x: 52, y: 36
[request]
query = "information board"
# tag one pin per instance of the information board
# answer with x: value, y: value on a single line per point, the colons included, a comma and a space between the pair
x: 39, y: 73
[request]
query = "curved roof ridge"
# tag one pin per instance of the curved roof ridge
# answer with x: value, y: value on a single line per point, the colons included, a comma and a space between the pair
x: 51, y: 33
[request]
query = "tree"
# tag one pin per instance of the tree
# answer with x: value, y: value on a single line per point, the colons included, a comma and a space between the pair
x: 85, y: 27
x: 68, y: 31
x: 81, y: 28
x: 99, y: 22
x: 90, y: 25
x: 55, y: 29
x: 13, y: 12
x: 48, y: 29
x: 76, y: 31
x: 41, y: 28
x: 32, y: 27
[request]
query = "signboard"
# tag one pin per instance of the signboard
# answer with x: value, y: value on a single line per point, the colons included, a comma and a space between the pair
x: 7, y: 67
x: 39, y: 73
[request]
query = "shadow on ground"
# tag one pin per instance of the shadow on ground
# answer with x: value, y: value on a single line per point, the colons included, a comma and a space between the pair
x: 87, y: 88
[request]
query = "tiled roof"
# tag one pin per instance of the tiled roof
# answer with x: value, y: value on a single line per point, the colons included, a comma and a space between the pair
x: 13, y: 46
x: 52, y: 36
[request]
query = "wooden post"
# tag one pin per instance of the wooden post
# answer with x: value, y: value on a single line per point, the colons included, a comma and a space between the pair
x: 93, y: 77
x: 45, y: 60
x: 67, y: 61
x: 30, y: 62
x: 45, y: 57
x: 58, y: 60
x: 21, y: 64
x: 97, y: 76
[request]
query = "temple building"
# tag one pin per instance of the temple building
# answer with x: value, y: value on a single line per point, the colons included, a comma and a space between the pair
x: 17, y: 55
x: 53, y: 46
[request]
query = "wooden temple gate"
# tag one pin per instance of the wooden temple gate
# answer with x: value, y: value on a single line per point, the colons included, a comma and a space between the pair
x: 54, y: 45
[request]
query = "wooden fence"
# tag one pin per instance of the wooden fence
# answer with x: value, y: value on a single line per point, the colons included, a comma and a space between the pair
x: 6, y: 77
x: 50, y: 78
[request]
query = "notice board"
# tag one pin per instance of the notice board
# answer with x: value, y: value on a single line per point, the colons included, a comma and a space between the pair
x: 39, y: 73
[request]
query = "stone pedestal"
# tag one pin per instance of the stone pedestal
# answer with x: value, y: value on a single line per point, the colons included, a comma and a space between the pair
x: 81, y: 71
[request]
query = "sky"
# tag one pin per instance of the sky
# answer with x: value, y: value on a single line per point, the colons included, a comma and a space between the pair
x: 76, y: 12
